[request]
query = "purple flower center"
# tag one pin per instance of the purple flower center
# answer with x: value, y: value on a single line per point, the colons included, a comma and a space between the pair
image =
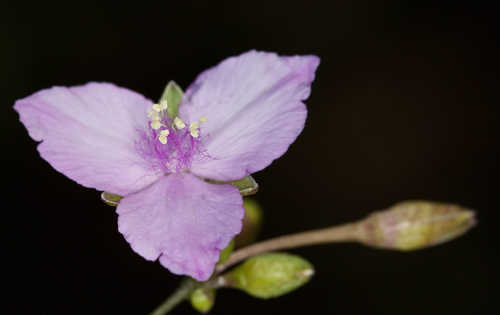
x: 169, y: 144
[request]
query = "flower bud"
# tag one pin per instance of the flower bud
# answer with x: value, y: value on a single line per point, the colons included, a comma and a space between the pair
x: 270, y: 275
x: 226, y: 252
x: 411, y: 225
x: 202, y: 299
x: 252, y: 222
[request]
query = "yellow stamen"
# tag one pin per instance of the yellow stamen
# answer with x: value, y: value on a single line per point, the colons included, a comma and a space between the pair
x: 178, y: 123
x: 163, y: 105
x: 164, y: 132
x: 162, y: 139
x: 156, y: 124
x: 157, y: 107
x: 193, y: 129
x: 153, y: 114
x: 203, y: 119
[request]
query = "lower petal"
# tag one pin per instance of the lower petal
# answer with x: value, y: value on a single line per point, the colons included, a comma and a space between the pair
x: 183, y: 221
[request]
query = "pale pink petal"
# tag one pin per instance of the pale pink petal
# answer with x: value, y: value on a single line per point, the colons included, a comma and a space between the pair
x: 254, y: 111
x: 183, y: 221
x: 88, y: 133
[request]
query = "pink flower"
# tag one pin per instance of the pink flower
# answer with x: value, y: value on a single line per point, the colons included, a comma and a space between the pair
x: 234, y: 120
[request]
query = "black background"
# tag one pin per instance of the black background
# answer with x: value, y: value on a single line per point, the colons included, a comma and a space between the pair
x: 404, y: 106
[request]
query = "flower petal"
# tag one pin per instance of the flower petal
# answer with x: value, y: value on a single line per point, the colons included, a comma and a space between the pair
x: 182, y: 220
x: 88, y: 133
x: 253, y: 109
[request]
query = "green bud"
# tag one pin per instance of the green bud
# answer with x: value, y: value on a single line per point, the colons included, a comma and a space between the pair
x: 202, y: 299
x: 270, y: 275
x: 252, y: 222
x: 226, y: 252
x: 172, y: 95
x: 414, y: 225
x: 110, y: 199
x: 247, y: 185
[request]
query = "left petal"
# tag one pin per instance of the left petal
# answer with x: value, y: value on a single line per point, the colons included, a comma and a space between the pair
x: 89, y: 134
x: 253, y: 109
x: 183, y: 221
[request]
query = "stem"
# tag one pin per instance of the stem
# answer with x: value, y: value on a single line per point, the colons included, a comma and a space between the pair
x: 341, y: 233
x: 177, y: 297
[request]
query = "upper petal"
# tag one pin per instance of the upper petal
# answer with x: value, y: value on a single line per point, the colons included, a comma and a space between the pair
x: 182, y: 220
x: 254, y: 111
x: 88, y: 133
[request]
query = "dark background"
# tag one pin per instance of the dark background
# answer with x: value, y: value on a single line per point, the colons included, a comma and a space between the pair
x: 404, y: 106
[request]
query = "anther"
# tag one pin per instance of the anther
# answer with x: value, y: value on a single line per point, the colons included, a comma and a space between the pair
x: 153, y: 114
x: 178, y: 123
x: 193, y: 129
x: 163, y: 136
x: 162, y: 139
x: 163, y: 105
x: 157, y: 107
x: 156, y: 124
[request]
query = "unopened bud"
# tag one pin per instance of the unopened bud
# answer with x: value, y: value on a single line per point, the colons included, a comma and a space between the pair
x: 202, y: 299
x: 411, y: 225
x: 270, y: 275
x: 252, y: 222
x: 226, y: 252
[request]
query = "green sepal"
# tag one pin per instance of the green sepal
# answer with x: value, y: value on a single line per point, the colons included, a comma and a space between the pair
x: 247, y: 185
x: 111, y: 199
x: 172, y: 95
x: 226, y: 252
x: 202, y: 299
x: 270, y: 275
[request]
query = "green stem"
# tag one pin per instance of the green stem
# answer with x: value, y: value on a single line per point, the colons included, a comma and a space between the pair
x: 340, y: 233
x: 182, y: 293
